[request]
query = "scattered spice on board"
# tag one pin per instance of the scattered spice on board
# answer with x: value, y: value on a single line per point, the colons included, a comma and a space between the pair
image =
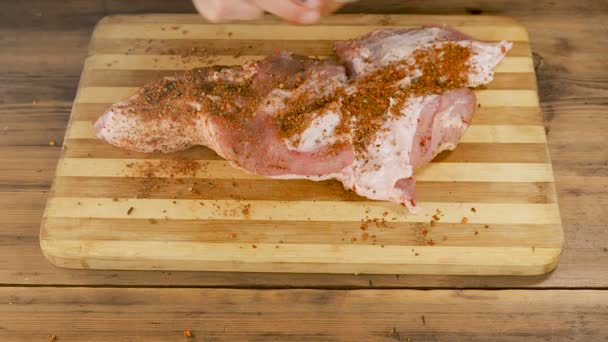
x: 436, y: 217
x: 364, y: 236
x: 464, y: 220
x: 246, y: 209
x: 52, y: 338
x: 52, y: 142
x: 254, y: 246
x: 188, y: 333
x: 130, y: 211
x: 233, y: 235
x: 430, y: 242
x: 364, y: 225
x: 433, y: 223
x: 152, y: 221
x: 425, y: 232
x: 474, y: 210
x: 486, y: 226
x: 476, y: 232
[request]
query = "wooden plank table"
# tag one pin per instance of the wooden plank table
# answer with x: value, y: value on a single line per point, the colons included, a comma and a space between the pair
x: 42, y: 48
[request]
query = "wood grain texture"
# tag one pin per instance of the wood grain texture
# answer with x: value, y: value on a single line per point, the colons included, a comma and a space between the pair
x: 572, y: 88
x: 80, y: 314
x: 490, y: 154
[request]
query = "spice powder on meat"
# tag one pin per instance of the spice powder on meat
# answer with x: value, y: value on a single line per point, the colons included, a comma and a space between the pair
x: 441, y: 68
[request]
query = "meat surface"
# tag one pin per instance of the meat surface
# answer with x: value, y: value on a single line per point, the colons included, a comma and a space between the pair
x: 389, y: 104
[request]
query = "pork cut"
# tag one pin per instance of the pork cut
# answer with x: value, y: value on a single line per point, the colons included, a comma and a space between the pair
x: 388, y: 104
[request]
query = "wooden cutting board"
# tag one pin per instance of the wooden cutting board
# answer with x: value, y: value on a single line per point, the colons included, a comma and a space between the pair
x: 493, y: 196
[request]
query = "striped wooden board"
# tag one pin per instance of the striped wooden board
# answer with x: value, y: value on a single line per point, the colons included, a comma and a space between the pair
x: 494, y: 195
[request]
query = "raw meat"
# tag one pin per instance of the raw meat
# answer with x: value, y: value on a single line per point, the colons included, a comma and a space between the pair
x: 390, y: 103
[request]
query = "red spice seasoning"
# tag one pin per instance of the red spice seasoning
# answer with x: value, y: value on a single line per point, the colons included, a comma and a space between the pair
x: 188, y: 333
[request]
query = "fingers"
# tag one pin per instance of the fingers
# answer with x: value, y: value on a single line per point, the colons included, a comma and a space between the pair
x: 225, y: 10
x: 301, y: 12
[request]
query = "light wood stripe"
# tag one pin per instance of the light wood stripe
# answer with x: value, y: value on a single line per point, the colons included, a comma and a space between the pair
x: 302, y: 232
x: 485, y: 115
x: 134, y: 255
x: 474, y: 134
x: 295, y: 189
x: 283, y: 31
x: 176, y: 62
x: 235, y: 46
x: 503, y: 98
x: 485, y: 172
x: 182, y: 209
x: 219, y: 169
x: 504, y: 134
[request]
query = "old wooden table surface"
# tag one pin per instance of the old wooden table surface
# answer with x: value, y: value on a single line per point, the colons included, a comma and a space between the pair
x: 42, y: 48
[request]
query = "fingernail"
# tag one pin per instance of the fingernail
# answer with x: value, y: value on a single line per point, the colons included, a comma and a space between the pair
x: 309, y: 17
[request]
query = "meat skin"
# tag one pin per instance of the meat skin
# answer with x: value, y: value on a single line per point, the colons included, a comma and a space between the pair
x: 317, y: 138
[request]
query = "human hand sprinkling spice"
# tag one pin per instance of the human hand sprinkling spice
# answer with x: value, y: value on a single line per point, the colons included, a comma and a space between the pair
x: 297, y: 11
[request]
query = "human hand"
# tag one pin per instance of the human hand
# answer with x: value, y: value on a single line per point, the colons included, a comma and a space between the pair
x: 297, y: 11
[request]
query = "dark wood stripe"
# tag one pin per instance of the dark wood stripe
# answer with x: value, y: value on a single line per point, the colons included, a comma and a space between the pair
x: 137, y: 78
x: 233, y: 46
x: 293, y: 190
x: 466, y: 152
x: 301, y: 232
x: 483, y: 115
x: 93, y: 148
